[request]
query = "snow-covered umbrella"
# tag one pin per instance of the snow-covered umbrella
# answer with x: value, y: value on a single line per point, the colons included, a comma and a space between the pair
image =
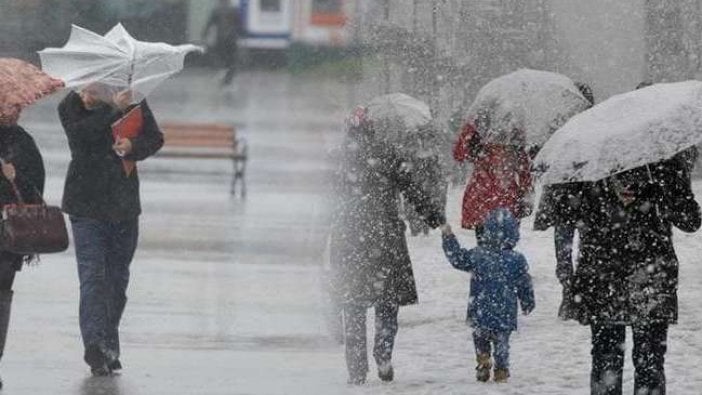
x: 21, y: 84
x: 526, y: 107
x: 400, y: 119
x: 624, y: 132
x: 116, y: 59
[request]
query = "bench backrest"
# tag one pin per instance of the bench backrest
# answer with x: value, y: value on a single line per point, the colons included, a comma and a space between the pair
x: 198, y: 135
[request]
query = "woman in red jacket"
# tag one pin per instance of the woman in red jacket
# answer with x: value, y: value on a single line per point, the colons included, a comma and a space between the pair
x: 501, y: 178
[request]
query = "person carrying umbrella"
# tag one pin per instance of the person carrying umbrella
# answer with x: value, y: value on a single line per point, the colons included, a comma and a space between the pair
x: 510, y: 119
x: 370, y: 261
x: 501, y: 177
x: 22, y: 165
x: 553, y: 210
x: 103, y: 204
x: 101, y: 192
x: 629, y: 182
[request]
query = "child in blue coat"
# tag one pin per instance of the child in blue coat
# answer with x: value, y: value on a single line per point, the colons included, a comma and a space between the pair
x: 499, y: 278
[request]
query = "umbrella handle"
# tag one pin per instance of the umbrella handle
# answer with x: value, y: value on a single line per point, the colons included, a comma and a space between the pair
x: 131, y: 71
x: 655, y: 204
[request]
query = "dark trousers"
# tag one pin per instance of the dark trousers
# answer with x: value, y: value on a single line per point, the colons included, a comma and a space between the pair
x: 226, y: 50
x: 486, y: 341
x: 8, y: 269
x: 608, y: 344
x: 355, y: 336
x: 104, y: 251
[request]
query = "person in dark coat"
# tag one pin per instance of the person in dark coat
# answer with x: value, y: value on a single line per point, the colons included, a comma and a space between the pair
x: 429, y: 175
x: 225, y: 19
x: 22, y: 165
x: 554, y: 210
x: 369, y: 257
x: 500, y: 278
x: 102, y: 201
x: 627, y: 273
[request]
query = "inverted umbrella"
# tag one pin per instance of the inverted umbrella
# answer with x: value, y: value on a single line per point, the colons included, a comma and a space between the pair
x: 116, y: 59
x: 21, y: 84
x: 526, y: 107
x: 624, y: 132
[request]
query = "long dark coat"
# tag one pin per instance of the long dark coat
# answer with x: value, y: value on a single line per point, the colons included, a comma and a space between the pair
x: 18, y: 147
x: 96, y: 185
x: 628, y: 270
x: 369, y: 256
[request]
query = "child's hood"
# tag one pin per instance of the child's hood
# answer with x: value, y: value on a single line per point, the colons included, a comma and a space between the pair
x: 501, y: 229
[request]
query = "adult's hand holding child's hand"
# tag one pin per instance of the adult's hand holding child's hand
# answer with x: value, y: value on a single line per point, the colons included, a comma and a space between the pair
x: 446, y: 229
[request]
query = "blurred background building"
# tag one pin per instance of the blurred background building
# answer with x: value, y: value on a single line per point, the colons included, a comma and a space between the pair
x: 29, y: 25
x: 444, y: 50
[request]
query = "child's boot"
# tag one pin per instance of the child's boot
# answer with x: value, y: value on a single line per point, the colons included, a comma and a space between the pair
x: 482, y: 371
x: 501, y: 375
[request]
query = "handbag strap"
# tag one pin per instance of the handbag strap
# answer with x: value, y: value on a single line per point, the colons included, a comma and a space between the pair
x: 16, y: 190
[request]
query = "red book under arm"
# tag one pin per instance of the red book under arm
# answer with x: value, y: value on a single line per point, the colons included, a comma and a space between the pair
x: 129, y: 127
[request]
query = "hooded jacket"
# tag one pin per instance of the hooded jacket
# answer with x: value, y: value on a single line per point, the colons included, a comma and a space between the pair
x: 500, y: 275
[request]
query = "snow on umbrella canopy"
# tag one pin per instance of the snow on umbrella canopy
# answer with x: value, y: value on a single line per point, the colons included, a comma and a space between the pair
x: 624, y: 132
x: 21, y: 84
x: 116, y: 59
x: 526, y: 107
x: 399, y: 119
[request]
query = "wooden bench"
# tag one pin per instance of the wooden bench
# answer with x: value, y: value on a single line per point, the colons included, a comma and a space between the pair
x: 206, y: 141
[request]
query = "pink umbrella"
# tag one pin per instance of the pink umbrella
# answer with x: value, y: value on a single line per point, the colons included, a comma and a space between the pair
x: 22, y: 84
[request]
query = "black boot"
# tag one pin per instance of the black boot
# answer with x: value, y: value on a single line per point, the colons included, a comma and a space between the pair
x: 385, y: 371
x: 5, y: 307
x: 95, y: 358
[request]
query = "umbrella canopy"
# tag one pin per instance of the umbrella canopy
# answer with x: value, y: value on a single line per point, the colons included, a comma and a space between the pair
x: 401, y: 120
x: 21, y: 84
x: 526, y: 107
x: 624, y: 132
x: 116, y: 59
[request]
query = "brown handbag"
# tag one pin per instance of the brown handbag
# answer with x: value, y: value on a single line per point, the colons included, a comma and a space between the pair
x: 30, y: 229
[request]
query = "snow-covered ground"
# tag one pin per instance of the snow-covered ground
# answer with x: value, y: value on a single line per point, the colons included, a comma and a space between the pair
x: 434, y: 353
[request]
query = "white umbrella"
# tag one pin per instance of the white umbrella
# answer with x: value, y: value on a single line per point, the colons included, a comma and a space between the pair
x: 116, y: 59
x: 527, y: 106
x: 402, y: 120
x: 624, y: 132
x: 398, y: 112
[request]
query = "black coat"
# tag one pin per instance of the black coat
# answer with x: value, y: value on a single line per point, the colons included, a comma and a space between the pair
x: 18, y: 147
x: 96, y: 185
x: 627, y: 269
x: 369, y: 256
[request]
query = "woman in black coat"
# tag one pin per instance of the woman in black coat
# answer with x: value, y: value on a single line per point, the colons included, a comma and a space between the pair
x: 101, y: 197
x: 369, y: 256
x: 627, y: 273
x: 22, y: 165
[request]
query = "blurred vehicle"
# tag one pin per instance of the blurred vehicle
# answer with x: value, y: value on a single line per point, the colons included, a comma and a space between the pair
x: 324, y: 22
x: 276, y: 24
x: 267, y: 24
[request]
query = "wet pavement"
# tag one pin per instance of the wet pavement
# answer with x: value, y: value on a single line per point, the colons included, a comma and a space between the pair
x: 225, y: 294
